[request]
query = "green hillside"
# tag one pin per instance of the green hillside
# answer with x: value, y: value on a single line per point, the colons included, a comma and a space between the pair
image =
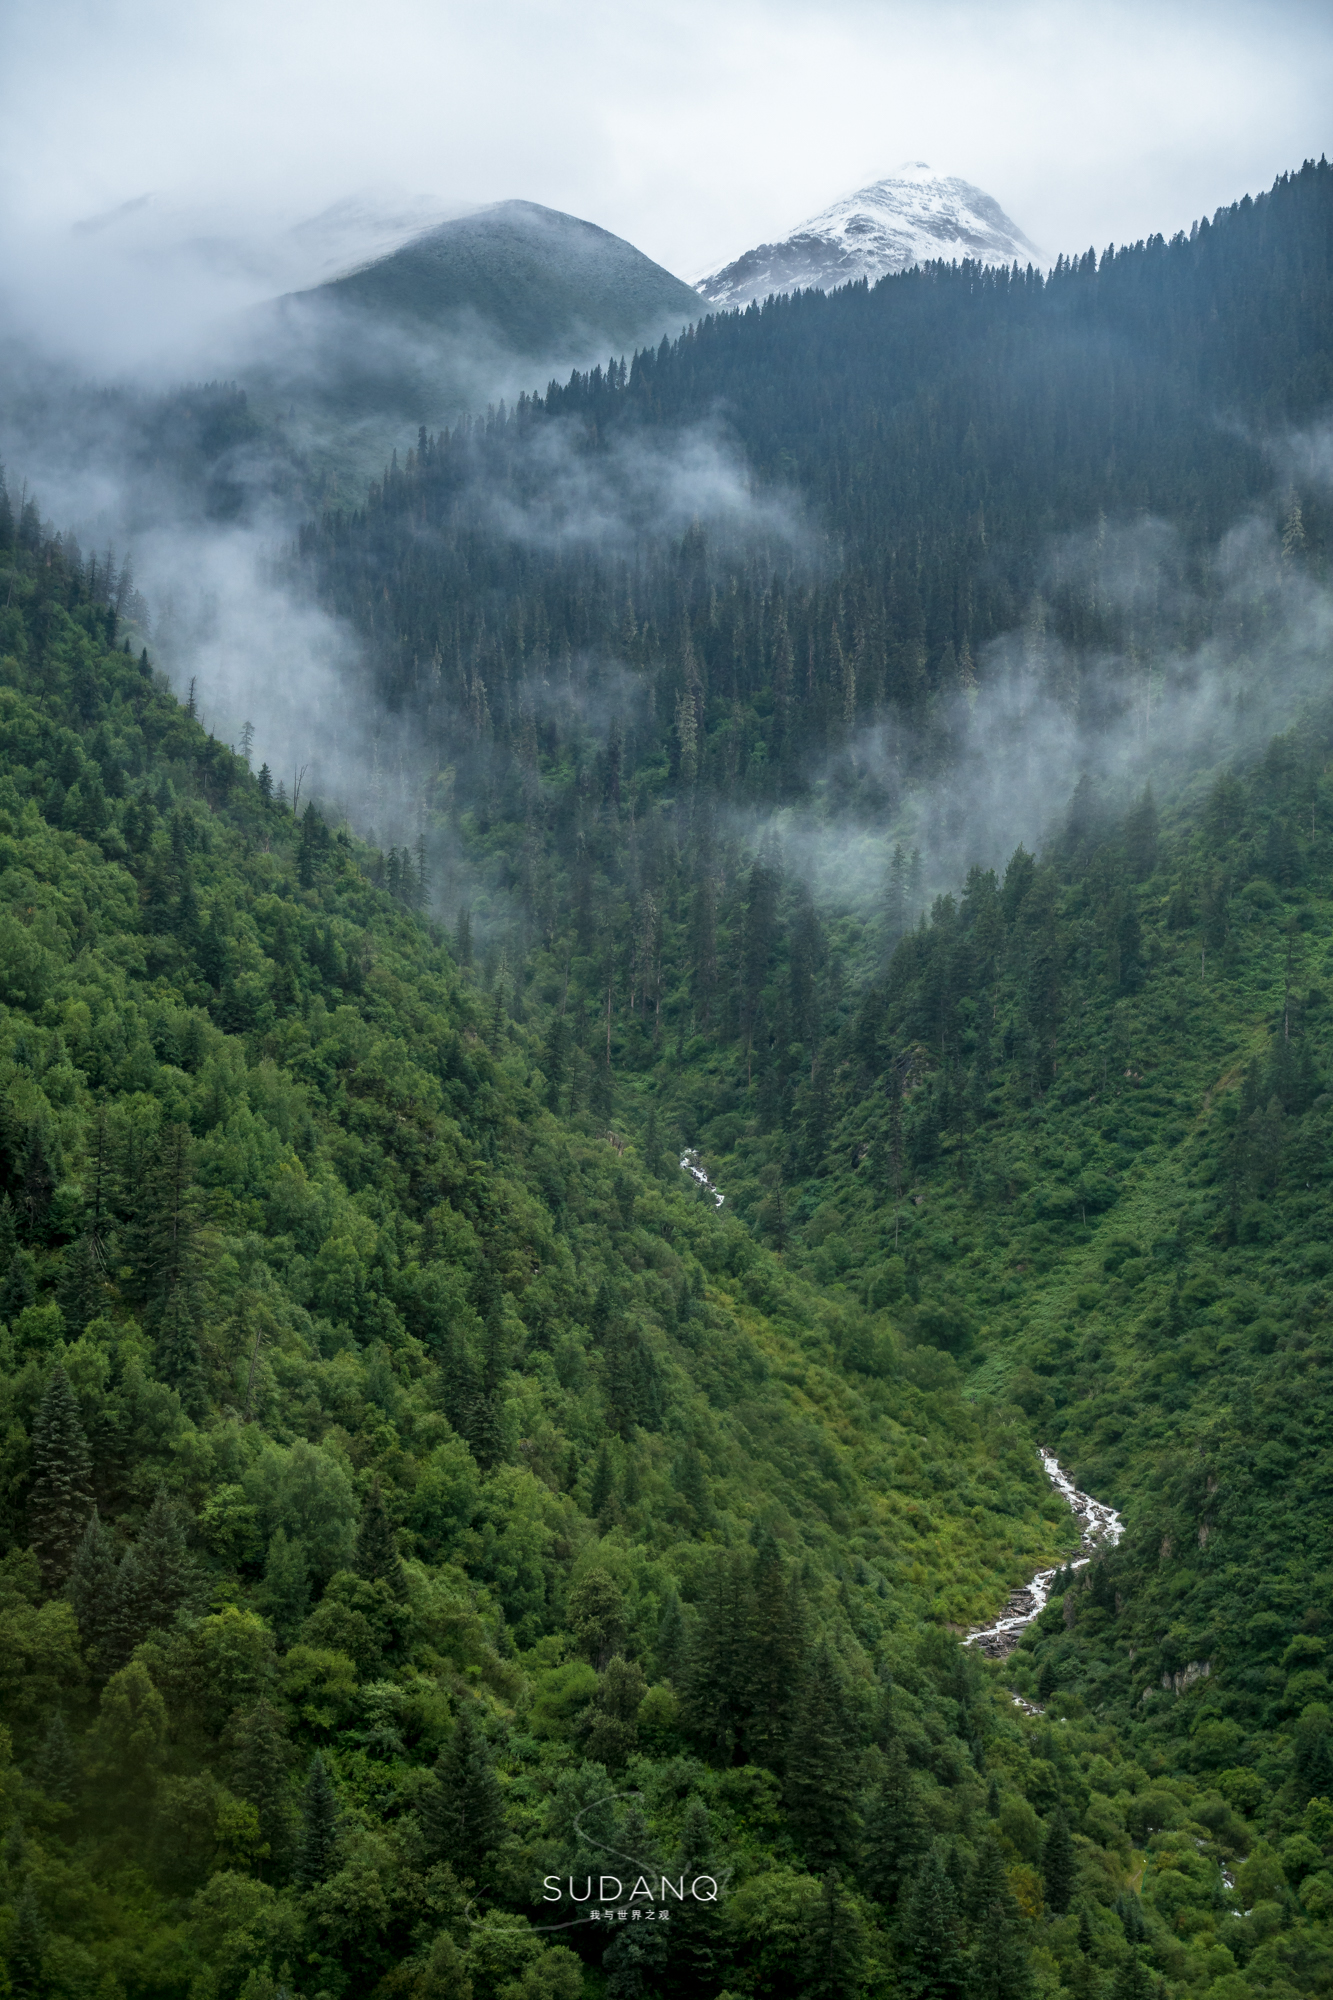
x: 414, y: 1491
x: 378, y: 1439
x: 543, y: 283
x: 471, y: 313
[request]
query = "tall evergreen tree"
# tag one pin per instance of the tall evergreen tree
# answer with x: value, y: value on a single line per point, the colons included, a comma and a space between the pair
x: 818, y: 1787
x: 696, y: 1930
x: 92, y: 1587
x: 997, y: 1967
x: 832, y: 1946
x: 1059, y: 1865
x: 933, y: 1965
x: 774, y: 1648
x: 715, y: 1678
x: 462, y: 1811
x: 152, y: 1580
x: 317, y: 1854
x: 894, y: 1834
x: 27, y: 1953
x: 257, y: 1771
x: 57, y: 1765
x: 61, y: 1499
x: 377, y: 1556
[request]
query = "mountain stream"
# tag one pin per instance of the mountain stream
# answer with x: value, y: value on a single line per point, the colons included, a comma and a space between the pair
x: 689, y: 1164
x: 1101, y: 1528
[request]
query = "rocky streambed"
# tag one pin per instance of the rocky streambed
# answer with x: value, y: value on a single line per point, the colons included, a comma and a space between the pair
x: 689, y: 1164
x: 1100, y: 1527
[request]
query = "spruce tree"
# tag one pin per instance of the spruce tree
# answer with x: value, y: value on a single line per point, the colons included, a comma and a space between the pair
x: 257, y: 1771
x: 819, y: 1767
x: 462, y: 1811
x: 168, y: 1246
x: 894, y: 1835
x: 56, y: 1768
x: 715, y: 1677
x: 152, y: 1581
x: 1133, y: 1981
x: 9, y: 1239
x: 176, y: 1349
x: 636, y: 1957
x: 18, y: 1288
x: 376, y: 1556
x: 603, y: 1484
x: 61, y: 1499
x: 932, y: 1966
x: 998, y: 1965
x: 92, y: 1587
x: 671, y: 1648
x: 317, y: 1855
x: 696, y: 1940
x: 831, y: 1949
x: 28, y: 1950
x: 1059, y: 1865
x: 774, y: 1656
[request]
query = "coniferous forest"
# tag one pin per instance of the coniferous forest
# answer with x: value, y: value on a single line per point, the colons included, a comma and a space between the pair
x: 417, y: 1490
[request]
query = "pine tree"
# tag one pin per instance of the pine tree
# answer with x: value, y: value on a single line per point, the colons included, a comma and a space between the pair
x: 774, y: 1649
x: 462, y: 1811
x: 636, y: 1957
x: 671, y: 1648
x: 257, y: 1771
x: 932, y: 1956
x: 152, y: 1581
x: 997, y: 1965
x: 9, y: 1239
x: 92, y: 1587
x: 831, y: 1949
x: 56, y: 1768
x: 819, y: 1767
x: 1059, y: 1865
x: 28, y: 1951
x: 62, y: 1496
x: 317, y: 1854
x: 715, y: 1677
x: 603, y: 1483
x: 894, y: 1836
x: 376, y: 1555
x: 696, y: 1940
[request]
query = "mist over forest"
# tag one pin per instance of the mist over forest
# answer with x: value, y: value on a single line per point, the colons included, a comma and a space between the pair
x: 637, y: 983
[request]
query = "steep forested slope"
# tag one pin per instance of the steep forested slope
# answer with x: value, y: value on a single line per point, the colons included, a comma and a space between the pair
x: 407, y: 1494
x: 411, y: 1489
x: 930, y: 436
x: 1070, y: 1129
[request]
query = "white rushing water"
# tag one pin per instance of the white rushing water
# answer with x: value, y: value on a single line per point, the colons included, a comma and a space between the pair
x: 689, y: 1164
x: 1101, y: 1528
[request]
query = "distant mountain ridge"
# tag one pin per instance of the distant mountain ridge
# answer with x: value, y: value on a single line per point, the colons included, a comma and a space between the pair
x: 465, y: 313
x: 910, y: 217
x: 539, y: 280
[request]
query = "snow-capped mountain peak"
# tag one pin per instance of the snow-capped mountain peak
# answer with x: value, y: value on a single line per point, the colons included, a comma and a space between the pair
x: 910, y: 217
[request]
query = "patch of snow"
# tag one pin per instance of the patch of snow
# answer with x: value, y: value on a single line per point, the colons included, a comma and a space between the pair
x: 913, y: 216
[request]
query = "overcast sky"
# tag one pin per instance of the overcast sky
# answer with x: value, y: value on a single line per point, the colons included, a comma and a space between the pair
x: 694, y: 127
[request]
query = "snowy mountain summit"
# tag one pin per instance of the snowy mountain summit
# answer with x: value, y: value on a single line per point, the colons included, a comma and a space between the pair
x: 912, y: 216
